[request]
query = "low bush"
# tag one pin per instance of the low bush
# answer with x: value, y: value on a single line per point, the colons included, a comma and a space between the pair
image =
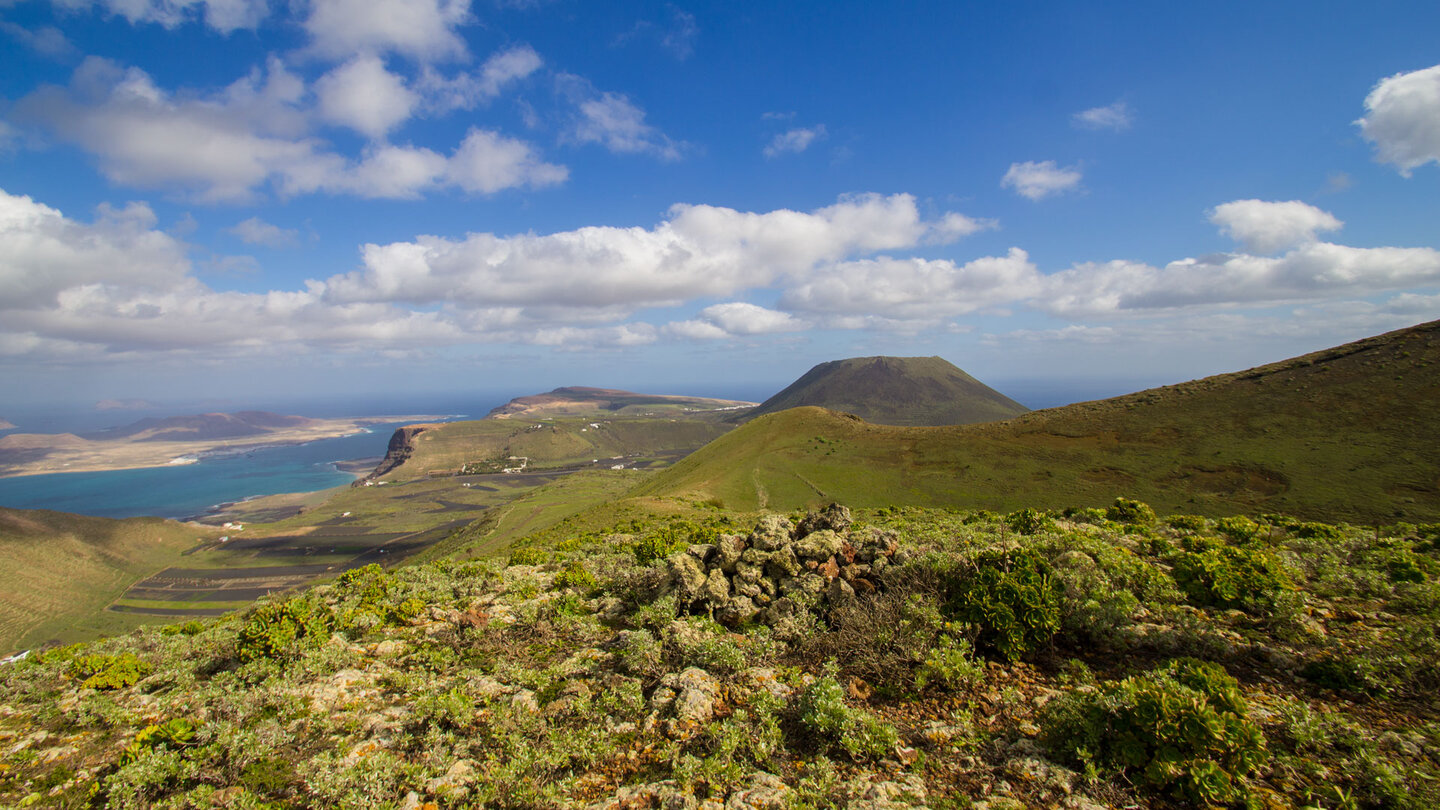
x: 100, y: 671
x: 1010, y: 596
x: 278, y: 630
x: 1230, y: 577
x: 1182, y: 730
x: 1130, y: 513
x: 835, y: 725
x: 1028, y: 521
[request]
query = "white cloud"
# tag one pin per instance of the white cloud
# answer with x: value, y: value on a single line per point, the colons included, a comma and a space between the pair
x: 612, y: 120
x: 1269, y: 227
x: 679, y: 37
x: 487, y: 162
x: 794, y: 141
x: 917, y: 289
x: 255, y: 231
x: 46, y: 41
x: 698, y: 251
x: 1316, y: 271
x: 224, y: 16
x: 363, y: 95
x: 43, y: 254
x: 735, y: 318
x: 467, y: 90
x: 1038, y: 180
x: 1115, y: 117
x: 1403, y: 119
x: 254, y: 135
x: 220, y: 148
x: 423, y: 30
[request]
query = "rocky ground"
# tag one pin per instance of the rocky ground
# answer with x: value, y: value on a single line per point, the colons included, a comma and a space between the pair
x: 896, y: 658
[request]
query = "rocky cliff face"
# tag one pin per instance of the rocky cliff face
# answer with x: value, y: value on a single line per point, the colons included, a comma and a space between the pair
x: 401, y: 447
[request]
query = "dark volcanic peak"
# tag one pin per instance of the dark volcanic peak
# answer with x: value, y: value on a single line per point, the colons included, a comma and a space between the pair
x: 202, y: 427
x: 896, y: 391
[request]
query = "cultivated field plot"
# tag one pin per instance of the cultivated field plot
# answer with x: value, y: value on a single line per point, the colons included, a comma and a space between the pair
x: 240, y: 571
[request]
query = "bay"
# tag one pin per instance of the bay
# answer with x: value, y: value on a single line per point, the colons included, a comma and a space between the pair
x: 187, y: 490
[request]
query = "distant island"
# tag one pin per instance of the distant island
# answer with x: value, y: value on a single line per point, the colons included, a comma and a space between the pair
x: 6, y: 425
x: 173, y: 440
x: 579, y: 400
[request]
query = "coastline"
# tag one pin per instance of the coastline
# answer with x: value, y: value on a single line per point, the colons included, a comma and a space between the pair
x: 66, y: 453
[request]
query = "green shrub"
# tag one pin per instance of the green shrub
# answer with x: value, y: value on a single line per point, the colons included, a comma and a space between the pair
x: 1229, y: 577
x: 1028, y: 521
x: 528, y: 556
x: 1131, y: 513
x: 1238, y: 528
x: 1092, y: 515
x: 1012, y: 599
x: 1186, y: 523
x: 278, y: 630
x: 950, y: 664
x: 370, y: 584
x: 100, y: 671
x: 654, y: 547
x: 1182, y: 730
x: 830, y: 721
x: 576, y: 575
x: 1318, y: 531
x: 172, y: 734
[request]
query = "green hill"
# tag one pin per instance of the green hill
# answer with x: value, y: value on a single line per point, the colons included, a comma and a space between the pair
x: 1347, y: 433
x: 61, y: 570
x: 895, y: 391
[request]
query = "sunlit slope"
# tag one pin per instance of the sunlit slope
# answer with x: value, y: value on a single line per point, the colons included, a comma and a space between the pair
x: 1349, y: 433
x: 58, y: 571
x: 895, y: 391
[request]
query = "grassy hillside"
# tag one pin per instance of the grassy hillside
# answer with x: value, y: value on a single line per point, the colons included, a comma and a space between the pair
x: 549, y: 443
x: 1346, y: 433
x: 58, y: 571
x: 895, y: 391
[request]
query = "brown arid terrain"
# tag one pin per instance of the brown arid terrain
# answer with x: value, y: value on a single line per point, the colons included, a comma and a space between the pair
x: 176, y: 441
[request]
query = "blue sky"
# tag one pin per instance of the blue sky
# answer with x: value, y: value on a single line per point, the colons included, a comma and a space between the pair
x: 233, y: 199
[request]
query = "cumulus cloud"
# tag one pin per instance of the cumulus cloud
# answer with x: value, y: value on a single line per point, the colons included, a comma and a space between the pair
x: 794, y: 141
x: 465, y: 91
x: 735, y: 318
x: 916, y: 289
x: 1038, y: 180
x: 699, y: 250
x: 423, y: 30
x: 46, y: 41
x: 220, y: 148
x: 1402, y: 119
x: 224, y: 16
x: 43, y: 254
x: 255, y: 135
x: 1269, y: 227
x: 1311, y: 272
x: 612, y: 120
x: 256, y: 231
x: 363, y: 95
x: 1115, y: 117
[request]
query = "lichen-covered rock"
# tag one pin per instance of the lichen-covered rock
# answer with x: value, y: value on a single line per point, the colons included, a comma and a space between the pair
x: 819, y: 545
x: 780, y: 570
x: 763, y: 791
x: 772, y: 532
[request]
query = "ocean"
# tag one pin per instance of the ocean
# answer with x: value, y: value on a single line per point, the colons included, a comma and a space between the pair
x: 188, y: 490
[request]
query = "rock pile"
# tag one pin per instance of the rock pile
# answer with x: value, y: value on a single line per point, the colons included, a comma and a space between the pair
x: 780, y: 569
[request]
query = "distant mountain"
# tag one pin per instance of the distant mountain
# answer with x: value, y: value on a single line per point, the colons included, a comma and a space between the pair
x: 579, y: 400
x: 895, y: 391
x: 202, y: 427
x: 1347, y: 433
x: 6, y: 425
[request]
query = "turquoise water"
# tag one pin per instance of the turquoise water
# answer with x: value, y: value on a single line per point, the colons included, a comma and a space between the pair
x: 191, y: 489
